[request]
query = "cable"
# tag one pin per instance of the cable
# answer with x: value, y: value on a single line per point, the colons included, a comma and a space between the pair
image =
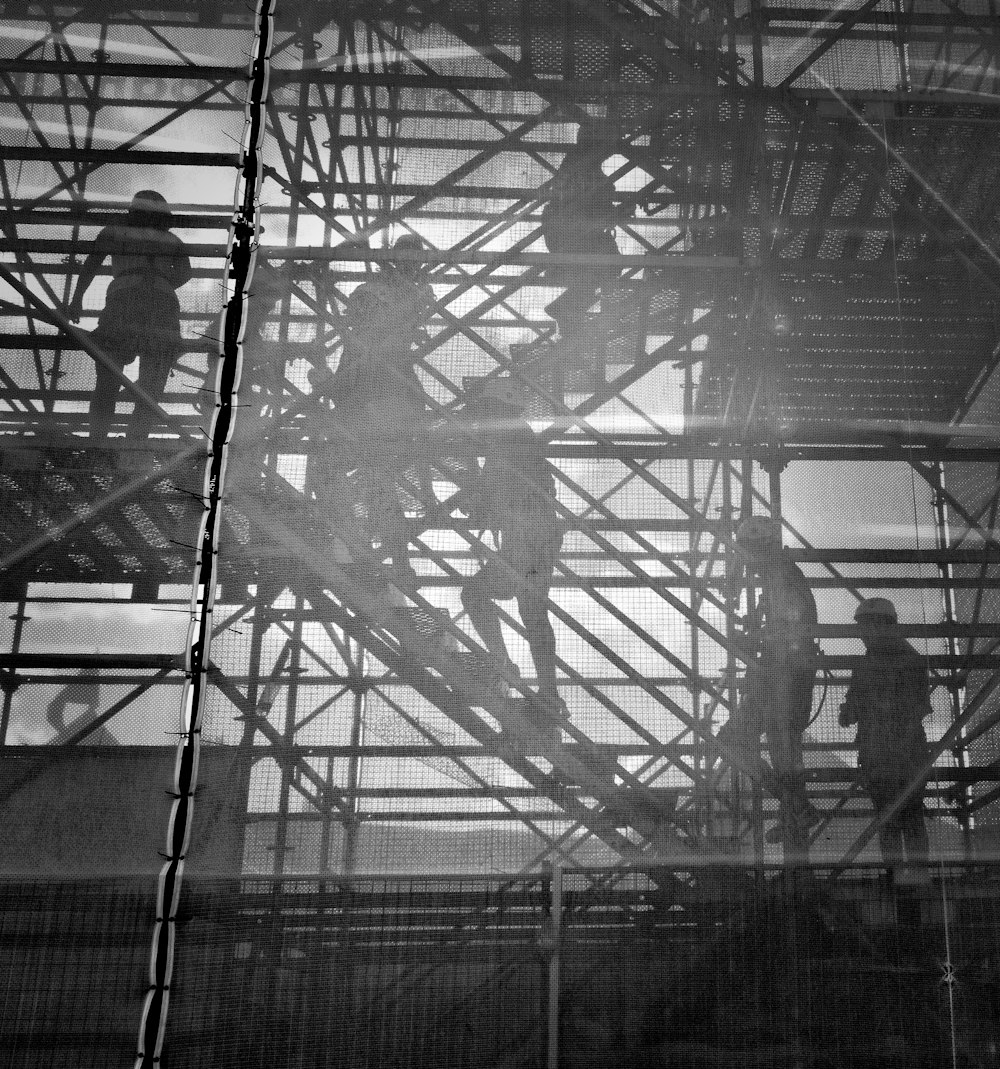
x: 827, y: 680
x: 240, y: 259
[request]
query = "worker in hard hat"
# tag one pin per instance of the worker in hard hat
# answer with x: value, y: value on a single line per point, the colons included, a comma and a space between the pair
x: 381, y: 414
x: 777, y: 693
x: 888, y: 698
x: 579, y: 219
x: 141, y: 314
x: 383, y: 324
x: 513, y: 496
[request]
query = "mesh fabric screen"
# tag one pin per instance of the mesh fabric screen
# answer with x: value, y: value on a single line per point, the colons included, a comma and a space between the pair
x: 547, y: 300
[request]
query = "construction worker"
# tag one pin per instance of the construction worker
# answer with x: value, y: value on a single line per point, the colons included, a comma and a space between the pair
x: 378, y: 460
x: 778, y: 690
x: 376, y: 385
x: 888, y: 698
x: 579, y: 218
x: 141, y: 315
x: 514, y: 497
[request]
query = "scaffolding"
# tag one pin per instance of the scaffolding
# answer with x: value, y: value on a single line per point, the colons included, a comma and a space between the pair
x: 207, y: 641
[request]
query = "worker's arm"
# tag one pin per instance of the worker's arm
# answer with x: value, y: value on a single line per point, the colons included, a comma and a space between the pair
x: 359, y: 307
x: 322, y: 381
x: 176, y: 265
x: 420, y: 336
x: 756, y: 618
x: 487, y: 493
x: 474, y: 499
x: 851, y: 704
x: 88, y: 272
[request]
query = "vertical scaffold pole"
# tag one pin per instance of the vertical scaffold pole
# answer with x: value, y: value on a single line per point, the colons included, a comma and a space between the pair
x: 555, y: 931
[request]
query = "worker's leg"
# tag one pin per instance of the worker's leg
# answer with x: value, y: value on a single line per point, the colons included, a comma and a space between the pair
x: 741, y: 732
x: 890, y: 841
x: 534, y: 610
x: 417, y: 418
x: 570, y: 307
x: 478, y: 600
x: 102, y: 405
x: 884, y: 789
x: 547, y: 712
x: 155, y: 328
x: 783, y: 726
x: 337, y: 505
x: 155, y: 366
x: 381, y: 428
x: 529, y: 547
x: 607, y: 278
x: 388, y: 523
x: 116, y: 337
x: 786, y: 757
x: 386, y: 518
x: 913, y: 829
x: 784, y: 745
x: 801, y: 678
x: 582, y: 285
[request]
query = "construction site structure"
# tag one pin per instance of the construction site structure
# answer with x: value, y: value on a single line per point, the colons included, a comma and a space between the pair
x: 267, y: 796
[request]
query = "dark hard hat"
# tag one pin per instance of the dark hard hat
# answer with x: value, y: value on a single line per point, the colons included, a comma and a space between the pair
x: 150, y: 200
x: 149, y: 208
x: 876, y: 607
x: 409, y: 241
x: 758, y: 531
x: 408, y: 265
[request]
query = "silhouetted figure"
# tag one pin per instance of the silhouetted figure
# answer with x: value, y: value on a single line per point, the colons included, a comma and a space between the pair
x: 141, y: 315
x: 778, y: 690
x: 375, y: 386
x: 80, y: 700
x: 377, y: 468
x: 888, y: 698
x: 579, y: 219
x: 514, y: 497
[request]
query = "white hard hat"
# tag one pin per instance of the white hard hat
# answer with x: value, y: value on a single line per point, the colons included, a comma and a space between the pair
x: 758, y: 530
x: 876, y: 607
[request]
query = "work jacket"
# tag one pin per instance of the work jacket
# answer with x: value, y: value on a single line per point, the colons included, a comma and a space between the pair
x: 888, y: 698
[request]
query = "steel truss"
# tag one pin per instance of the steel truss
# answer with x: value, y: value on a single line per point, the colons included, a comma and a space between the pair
x: 808, y: 279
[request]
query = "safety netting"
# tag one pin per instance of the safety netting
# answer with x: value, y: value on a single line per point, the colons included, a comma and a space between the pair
x: 455, y: 457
